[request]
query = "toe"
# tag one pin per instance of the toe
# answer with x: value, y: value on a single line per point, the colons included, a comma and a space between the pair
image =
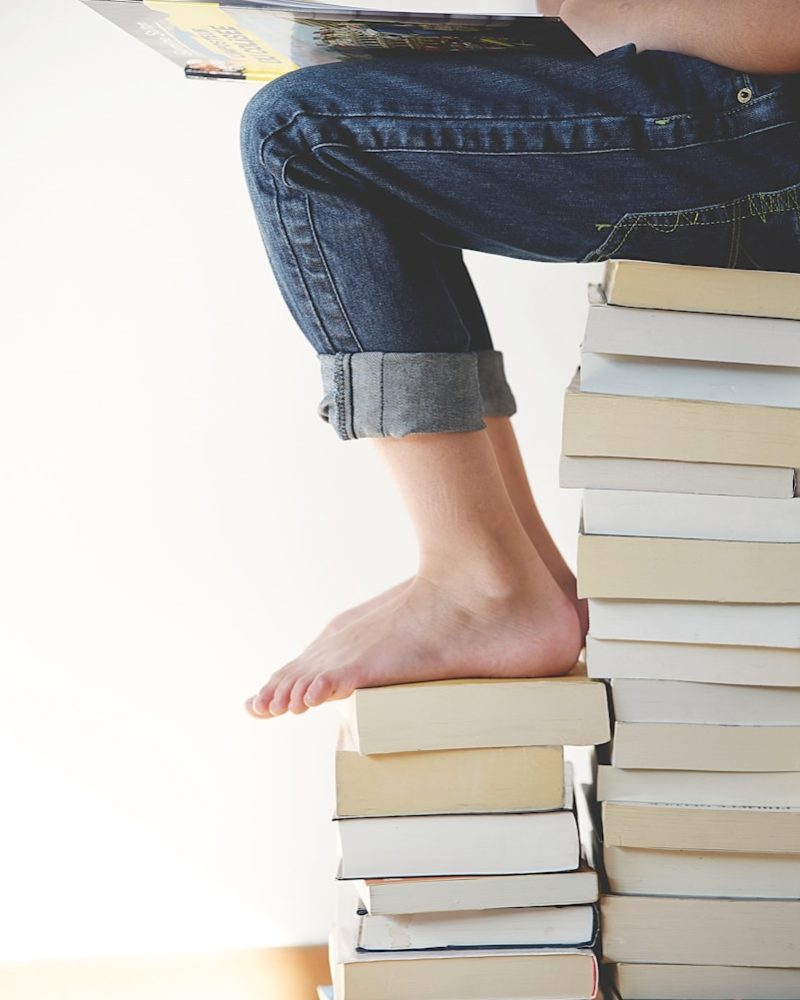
x: 280, y: 697
x: 333, y: 684
x: 259, y: 704
x: 297, y: 705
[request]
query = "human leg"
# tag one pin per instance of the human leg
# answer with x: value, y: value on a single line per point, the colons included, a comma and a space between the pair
x: 354, y: 215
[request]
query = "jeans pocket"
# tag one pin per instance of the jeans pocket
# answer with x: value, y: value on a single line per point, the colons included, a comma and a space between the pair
x: 758, y: 231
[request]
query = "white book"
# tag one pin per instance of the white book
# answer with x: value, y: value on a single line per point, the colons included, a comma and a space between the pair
x: 324, y: 993
x: 705, y: 982
x: 671, y: 661
x: 523, y: 927
x: 687, y: 515
x: 699, y: 788
x: 693, y: 336
x: 633, y: 871
x: 483, y: 844
x: 715, y: 704
x: 597, y: 473
x: 772, y: 625
x: 750, y: 385
x: 484, y: 892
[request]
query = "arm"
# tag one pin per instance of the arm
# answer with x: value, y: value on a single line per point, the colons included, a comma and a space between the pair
x: 754, y: 36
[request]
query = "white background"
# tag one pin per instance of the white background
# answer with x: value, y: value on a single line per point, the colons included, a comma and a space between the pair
x: 175, y: 519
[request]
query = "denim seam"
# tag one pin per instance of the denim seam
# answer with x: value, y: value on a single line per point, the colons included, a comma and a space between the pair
x: 383, y: 395
x: 331, y: 282
x: 470, y: 117
x: 625, y: 228
x: 289, y: 246
x: 548, y: 152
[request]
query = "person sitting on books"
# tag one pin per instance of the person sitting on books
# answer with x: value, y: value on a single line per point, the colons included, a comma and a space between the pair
x: 679, y: 142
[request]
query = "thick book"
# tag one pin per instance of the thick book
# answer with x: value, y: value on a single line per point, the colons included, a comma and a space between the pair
x: 709, y: 623
x: 749, y: 385
x: 487, y: 844
x: 490, y: 779
x: 683, y: 430
x: 699, y: 788
x: 634, y: 871
x: 709, y: 704
x: 704, y: 982
x: 472, y: 974
x: 686, y: 747
x: 260, y: 40
x: 597, y: 473
x: 486, y: 892
x: 518, y: 927
x: 688, y: 569
x: 469, y: 713
x: 683, y: 931
x: 687, y: 288
x: 689, y: 336
x: 685, y: 515
x: 702, y: 828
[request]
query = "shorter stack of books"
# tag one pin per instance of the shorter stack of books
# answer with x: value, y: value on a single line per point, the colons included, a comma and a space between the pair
x: 685, y: 434
x: 461, y: 873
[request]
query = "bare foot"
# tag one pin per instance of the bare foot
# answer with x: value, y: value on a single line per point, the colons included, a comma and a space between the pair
x: 434, y: 629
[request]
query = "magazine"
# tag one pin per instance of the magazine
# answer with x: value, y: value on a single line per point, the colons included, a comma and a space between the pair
x: 260, y: 40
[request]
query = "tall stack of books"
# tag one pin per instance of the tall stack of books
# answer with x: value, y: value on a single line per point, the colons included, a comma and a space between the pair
x: 461, y: 872
x: 683, y: 429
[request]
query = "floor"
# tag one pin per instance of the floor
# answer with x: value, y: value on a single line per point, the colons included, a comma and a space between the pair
x: 269, y: 974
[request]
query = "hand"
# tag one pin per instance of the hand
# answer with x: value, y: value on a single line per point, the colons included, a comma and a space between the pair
x: 601, y: 25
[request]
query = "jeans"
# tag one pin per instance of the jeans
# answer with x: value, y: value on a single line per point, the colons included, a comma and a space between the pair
x: 369, y: 178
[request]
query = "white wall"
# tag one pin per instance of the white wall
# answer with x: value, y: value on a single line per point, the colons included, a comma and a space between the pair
x: 175, y: 520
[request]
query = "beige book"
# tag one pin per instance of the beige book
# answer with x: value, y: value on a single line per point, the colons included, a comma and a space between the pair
x: 638, y: 871
x: 682, y: 931
x: 596, y: 424
x: 705, y: 982
x: 674, y: 746
x: 688, y: 569
x: 701, y: 828
x: 699, y: 788
x: 650, y: 285
x: 492, y: 779
x: 471, y: 713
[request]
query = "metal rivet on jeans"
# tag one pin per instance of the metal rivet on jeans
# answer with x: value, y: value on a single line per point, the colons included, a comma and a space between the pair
x: 745, y: 95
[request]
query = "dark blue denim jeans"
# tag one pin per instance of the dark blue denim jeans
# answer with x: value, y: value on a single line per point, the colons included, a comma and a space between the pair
x: 369, y: 178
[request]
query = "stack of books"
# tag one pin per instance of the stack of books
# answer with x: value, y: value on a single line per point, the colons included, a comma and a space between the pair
x: 461, y: 872
x: 683, y: 428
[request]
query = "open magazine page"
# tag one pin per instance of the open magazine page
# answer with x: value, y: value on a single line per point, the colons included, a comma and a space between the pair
x: 260, y: 40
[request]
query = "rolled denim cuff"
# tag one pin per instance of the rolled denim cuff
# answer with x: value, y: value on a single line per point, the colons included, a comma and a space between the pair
x: 377, y: 394
x: 498, y: 399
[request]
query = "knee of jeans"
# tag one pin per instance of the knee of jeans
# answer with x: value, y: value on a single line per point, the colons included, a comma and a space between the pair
x: 288, y: 117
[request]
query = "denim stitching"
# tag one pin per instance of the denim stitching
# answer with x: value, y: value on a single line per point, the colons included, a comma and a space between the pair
x: 288, y: 242
x: 328, y: 274
x: 383, y: 393
x: 470, y: 117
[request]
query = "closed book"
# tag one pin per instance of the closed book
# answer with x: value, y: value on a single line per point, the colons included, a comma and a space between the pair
x: 471, y: 713
x: 687, y: 569
x: 646, y: 872
x: 699, y: 788
x: 486, y: 892
x: 692, y: 336
x: 686, y: 515
x: 753, y: 665
x: 650, y: 285
x: 491, y: 779
x: 529, y: 974
x: 705, y: 982
x: 705, y: 622
x: 487, y: 844
x: 684, y: 931
x: 702, y: 828
x: 598, y: 473
x: 614, y: 426
x: 325, y: 993
x: 524, y: 927
x: 750, y: 385
x: 707, y: 704
x: 679, y: 747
